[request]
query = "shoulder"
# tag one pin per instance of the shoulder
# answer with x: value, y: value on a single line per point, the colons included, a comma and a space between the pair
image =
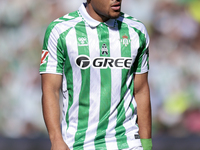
x: 130, y: 18
x: 64, y: 23
x: 132, y: 22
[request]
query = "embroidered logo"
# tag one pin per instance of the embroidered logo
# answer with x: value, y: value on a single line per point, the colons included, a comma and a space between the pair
x: 82, y: 41
x: 45, y: 54
x: 104, y: 49
x: 125, y: 41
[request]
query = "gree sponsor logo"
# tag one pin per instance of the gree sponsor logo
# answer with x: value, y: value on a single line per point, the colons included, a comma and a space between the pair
x: 84, y: 62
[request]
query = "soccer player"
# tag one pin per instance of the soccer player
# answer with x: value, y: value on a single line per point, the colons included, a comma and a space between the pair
x: 98, y: 57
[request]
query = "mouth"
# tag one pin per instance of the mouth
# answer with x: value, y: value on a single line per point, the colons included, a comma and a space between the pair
x: 116, y: 6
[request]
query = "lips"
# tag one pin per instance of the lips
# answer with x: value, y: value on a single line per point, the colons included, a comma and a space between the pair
x: 116, y: 6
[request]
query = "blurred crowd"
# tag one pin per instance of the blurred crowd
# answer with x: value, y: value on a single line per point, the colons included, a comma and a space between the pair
x: 174, y: 29
x: 174, y: 74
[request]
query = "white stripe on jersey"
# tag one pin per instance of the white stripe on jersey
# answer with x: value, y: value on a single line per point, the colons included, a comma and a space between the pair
x: 116, y: 74
x: 73, y: 111
x: 95, y: 88
x: 65, y: 106
x: 52, y: 45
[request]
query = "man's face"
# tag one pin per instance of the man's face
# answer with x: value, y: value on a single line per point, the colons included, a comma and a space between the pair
x: 104, y: 9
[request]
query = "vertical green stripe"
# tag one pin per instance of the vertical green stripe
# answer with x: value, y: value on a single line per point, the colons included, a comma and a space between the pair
x: 131, y: 88
x: 125, y: 52
x: 105, y: 96
x: 67, y: 71
x: 142, y: 49
x: 84, y: 95
x: 132, y: 107
x: 60, y: 51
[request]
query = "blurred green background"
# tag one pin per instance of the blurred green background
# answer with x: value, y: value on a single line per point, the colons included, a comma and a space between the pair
x: 174, y: 76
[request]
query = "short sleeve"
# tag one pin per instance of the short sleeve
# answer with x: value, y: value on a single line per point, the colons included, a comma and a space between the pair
x: 52, y: 59
x: 141, y: 64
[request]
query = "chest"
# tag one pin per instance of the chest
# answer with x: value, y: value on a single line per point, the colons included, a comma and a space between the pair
x: 101, y: 47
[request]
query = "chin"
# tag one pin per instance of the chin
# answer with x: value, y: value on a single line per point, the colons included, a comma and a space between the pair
x: 115, y: 15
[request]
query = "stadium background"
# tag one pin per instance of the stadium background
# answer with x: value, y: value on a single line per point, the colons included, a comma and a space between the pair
x: 174, y: 29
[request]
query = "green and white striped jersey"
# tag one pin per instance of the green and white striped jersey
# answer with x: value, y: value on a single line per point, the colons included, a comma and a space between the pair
x: 98, y: 61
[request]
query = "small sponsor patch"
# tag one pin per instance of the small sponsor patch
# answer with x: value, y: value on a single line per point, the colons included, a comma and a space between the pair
x: 137, y: 136
x: 82, y: 41
x: 45, y: 54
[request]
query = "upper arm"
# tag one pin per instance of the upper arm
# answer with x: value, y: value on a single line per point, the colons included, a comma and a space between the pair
x: 51, y: 82
x: 142, y: 97
x: 141, y: 83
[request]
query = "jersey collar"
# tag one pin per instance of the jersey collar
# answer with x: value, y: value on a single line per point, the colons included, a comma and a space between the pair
x: 92, y: 22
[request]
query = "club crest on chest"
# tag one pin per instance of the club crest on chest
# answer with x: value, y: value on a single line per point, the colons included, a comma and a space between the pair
x: 125, y: 40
